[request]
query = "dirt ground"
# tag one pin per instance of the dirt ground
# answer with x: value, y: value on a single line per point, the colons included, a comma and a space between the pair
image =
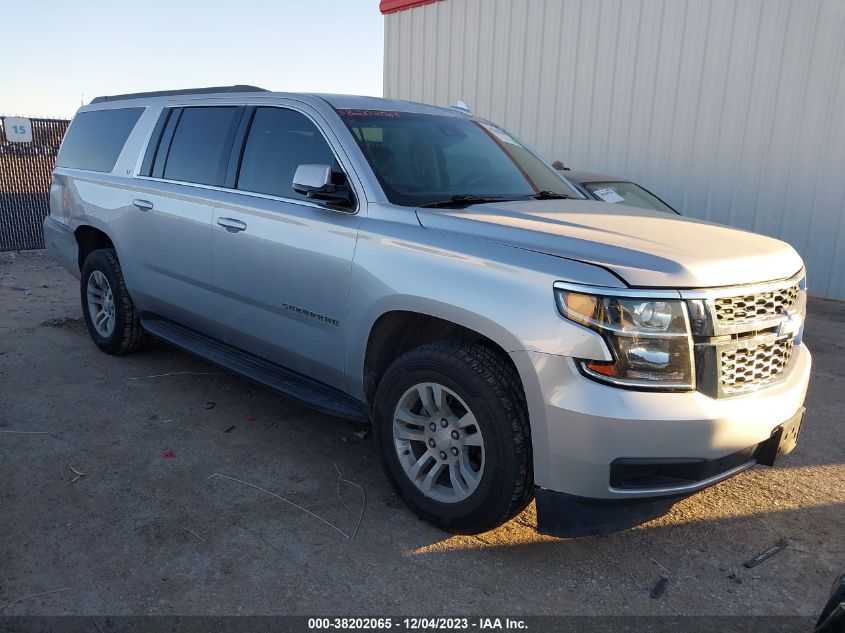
x: 149, y: 529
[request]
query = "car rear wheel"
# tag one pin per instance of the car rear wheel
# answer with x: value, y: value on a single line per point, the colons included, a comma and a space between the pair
x: 109, y: 313
x: 451, y: 427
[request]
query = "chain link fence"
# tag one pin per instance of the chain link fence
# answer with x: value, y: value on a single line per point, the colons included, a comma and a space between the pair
x: 25, y: 169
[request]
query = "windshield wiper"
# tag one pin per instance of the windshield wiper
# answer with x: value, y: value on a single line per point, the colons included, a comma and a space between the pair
x: 463, y: 199
x: 549, y: 195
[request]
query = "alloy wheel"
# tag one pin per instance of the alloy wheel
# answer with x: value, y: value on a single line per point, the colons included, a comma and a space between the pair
x: 101, y: 307
x: 438, y: 442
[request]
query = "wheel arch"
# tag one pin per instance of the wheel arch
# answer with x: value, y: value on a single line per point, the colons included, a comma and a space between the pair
x: 89, y: 239
x: 397, y: 330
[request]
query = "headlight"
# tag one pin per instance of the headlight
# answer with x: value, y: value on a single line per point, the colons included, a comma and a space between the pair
x: 649, y: 339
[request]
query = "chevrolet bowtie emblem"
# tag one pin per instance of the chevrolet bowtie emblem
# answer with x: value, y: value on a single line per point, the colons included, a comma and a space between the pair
x: 791, y: 325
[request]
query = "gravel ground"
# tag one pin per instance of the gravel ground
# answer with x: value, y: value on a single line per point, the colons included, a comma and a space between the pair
x: 149, y: 530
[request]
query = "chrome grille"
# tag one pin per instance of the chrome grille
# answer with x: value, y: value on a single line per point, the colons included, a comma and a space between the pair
x: 743, y: 337
x: 752, y: 365
x: 754, y: 307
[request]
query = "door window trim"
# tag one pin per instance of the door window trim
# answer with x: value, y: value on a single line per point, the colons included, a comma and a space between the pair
x: 237, y: 145
x: 163, y: 145
x: 237, y: 157
x: 152, y: 147
x: 162, y: 156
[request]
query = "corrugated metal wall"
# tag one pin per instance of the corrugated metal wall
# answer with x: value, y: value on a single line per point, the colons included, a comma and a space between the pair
x: 732, y: 110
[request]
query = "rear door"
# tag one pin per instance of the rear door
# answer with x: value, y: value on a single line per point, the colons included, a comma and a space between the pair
x: 281, y: 262
x: 180, y: 177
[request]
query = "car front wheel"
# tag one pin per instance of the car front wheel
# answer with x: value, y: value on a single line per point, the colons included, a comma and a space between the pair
x: 451, y: 427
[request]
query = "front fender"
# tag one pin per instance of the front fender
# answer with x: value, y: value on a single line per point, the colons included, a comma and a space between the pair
x: 505, y: 294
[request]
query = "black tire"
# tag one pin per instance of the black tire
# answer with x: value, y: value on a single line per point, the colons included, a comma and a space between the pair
x: 832, y: 617
x: 487, y: 382
x: 127, y: 335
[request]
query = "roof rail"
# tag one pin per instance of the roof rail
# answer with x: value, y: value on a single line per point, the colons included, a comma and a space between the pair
x: 185, y: 91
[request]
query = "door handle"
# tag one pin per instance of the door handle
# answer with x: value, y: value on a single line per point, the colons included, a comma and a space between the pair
x: 231, y: 224
x: 144, y: 205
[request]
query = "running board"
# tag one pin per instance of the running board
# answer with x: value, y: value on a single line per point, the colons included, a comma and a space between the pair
x: 304, y: 390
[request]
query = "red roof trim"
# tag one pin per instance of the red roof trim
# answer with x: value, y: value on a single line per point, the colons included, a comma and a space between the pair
x: 392, y: 6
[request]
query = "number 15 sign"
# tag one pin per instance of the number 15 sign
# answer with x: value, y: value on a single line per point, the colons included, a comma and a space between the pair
x: 18, y: 129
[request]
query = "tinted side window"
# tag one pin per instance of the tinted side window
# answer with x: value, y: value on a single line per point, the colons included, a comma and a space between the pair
x: 280, y: 140
x: 94, y: 139
x: 200, y: 146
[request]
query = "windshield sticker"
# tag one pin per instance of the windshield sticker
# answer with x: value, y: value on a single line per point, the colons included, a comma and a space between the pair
x: 609, y: 195
x: 500, y: 135
x: 382, y: 113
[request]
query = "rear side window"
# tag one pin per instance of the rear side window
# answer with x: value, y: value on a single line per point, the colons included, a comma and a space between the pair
x: 280, y: 140
x: 201, y: 143
x: 95, y: 139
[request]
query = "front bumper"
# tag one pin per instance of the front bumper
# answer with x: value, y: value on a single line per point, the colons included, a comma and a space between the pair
x: 580, y: 427
x: 561, y: 514
x: 606, y: 459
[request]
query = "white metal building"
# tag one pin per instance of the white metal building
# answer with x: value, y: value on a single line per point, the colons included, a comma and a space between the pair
x: 731, y: 110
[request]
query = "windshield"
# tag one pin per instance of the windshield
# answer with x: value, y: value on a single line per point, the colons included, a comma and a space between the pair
x: 424, y: 159
x: 627, y: 193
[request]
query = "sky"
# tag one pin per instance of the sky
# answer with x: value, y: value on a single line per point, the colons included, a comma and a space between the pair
x: 56, y: 54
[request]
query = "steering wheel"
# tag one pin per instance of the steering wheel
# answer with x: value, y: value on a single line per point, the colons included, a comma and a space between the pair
x: 475, y: 177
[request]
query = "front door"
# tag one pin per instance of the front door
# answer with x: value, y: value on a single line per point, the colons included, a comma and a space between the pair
x: 281, y: 262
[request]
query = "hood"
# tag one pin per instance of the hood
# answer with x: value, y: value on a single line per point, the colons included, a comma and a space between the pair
x: 645, y: 248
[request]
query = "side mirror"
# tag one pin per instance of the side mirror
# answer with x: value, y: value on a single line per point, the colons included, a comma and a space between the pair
x: 315, y: 181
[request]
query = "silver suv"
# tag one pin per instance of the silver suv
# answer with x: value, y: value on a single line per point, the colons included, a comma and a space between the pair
x: 423, y: 270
